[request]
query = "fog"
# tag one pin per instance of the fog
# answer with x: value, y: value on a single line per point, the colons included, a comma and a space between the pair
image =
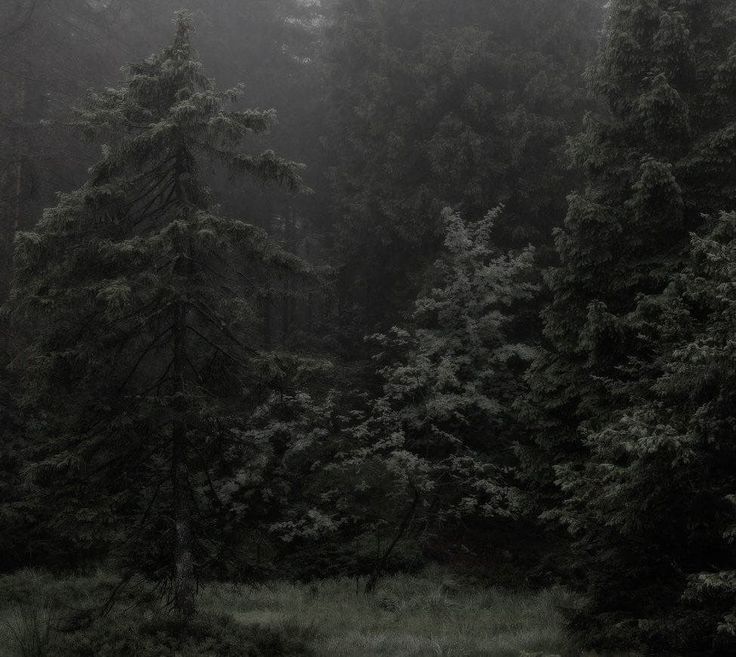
x: 367, y: 327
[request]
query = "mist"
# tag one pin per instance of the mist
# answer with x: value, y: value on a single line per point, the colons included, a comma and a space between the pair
x: 367, y: 327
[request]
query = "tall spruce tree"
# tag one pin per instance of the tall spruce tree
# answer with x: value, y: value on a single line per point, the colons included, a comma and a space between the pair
x: 660, y: 158
x: 143, y: 341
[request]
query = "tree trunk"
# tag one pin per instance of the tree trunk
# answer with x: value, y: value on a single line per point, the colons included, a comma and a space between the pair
x: 267, y: 300
x: 11, y: 183
x: 287, y: 307
x: 381, y: 562
x: 183, y: 596
x: 19, y: 145
x: 183, y: 585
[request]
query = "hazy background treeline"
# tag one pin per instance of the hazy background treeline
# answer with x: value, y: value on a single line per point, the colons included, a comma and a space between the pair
x: 508, y: 343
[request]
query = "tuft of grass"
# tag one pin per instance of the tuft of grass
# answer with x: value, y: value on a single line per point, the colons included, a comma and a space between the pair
x: 28, y: 630
x: 408, y: 616
x: 34, y: 603
x: 26, y: 624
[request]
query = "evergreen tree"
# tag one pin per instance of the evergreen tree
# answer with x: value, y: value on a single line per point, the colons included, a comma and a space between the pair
x: 370, y: 484
x: 653, y: 504
x: 466, y: 106
x: 657, y: 161
x: 50, y: 54
x: 696, y: 398
x: 447, y: 417
x: 143, y: 343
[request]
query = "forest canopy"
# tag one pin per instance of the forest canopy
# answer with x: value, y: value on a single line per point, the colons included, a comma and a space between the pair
x: 329, y: 289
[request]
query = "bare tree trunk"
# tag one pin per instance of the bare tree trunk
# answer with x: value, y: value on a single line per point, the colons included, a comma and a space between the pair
x: 11, y: 184
x: 269, y: 330
x: 287, y: 307
x: 381, y: 562
x: 21, y: 107
x: 183, y: 597
x: 184, y: 581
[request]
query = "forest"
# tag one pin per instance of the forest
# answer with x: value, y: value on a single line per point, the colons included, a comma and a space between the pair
x: 367, y: 328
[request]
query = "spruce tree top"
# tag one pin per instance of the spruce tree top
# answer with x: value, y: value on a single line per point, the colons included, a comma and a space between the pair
x: 659, y: 157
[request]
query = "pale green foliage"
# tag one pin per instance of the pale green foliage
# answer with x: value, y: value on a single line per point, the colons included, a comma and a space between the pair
x: 446, y: 417
x: 436, y: 448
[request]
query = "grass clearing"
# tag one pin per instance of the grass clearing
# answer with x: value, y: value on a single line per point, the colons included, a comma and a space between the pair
x: 433, y: 614
x: 408, y: 616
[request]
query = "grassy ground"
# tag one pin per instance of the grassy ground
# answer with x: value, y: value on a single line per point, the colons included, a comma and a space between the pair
x: 408, y: 616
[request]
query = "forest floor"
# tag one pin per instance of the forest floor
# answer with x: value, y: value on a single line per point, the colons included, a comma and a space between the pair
x: 407, y: 616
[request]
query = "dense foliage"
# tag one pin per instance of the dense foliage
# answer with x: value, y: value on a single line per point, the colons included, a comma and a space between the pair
x: 516, y: 353
x: 656, y: 163
x: 437, y: 105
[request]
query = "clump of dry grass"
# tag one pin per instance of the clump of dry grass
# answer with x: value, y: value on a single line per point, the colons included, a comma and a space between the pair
x: 27, y: 621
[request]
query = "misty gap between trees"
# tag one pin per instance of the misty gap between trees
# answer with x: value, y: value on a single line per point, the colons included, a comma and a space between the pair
x: 362, y: 288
